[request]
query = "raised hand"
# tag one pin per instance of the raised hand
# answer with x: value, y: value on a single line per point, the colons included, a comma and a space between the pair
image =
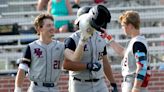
x: 106, y: 36
x: 85, y: 28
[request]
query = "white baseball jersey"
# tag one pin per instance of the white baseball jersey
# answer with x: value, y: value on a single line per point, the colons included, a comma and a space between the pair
x: 129, y: 61
x: 45, y: 60
x: 93, y: 52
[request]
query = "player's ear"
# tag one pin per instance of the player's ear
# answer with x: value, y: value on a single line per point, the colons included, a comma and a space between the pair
x: 38, y: 30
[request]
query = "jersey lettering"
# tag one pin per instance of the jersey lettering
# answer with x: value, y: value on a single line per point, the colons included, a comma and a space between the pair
x: 56, y: 64
x: 85, y: 48
x: 125, y: 62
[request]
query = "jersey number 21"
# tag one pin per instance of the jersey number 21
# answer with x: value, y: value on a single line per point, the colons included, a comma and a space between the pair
x: 56, y: 64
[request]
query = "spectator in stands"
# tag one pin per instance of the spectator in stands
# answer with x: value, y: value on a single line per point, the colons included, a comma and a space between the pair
x: 60, y: 8
x: 42, y: 59
x: 99, y: 1
x: 41, y: 5
x: 76, y: 4
x: 162, y: 2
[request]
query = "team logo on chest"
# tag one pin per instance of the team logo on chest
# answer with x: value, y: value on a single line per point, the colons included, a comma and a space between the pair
x: 38, y: 52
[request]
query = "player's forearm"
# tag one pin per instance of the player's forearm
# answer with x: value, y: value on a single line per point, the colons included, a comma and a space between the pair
x: 79, y: 52
x: 109, y: 74
x: 73, y: 56
x: 139, y: 78
x: 117, y: 48
x: 74, y: 66
x: 108, y: 71
x: 19, y: 78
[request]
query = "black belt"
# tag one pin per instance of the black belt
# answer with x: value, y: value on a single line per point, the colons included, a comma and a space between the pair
x: 45, y: 84
x: 89, y: 80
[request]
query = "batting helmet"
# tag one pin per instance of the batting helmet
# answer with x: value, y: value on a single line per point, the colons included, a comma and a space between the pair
x: 100, y: 16
x: 81, y: 11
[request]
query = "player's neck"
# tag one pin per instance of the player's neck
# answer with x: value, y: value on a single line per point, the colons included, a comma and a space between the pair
x: 45, y: 40
x: 135, y: 33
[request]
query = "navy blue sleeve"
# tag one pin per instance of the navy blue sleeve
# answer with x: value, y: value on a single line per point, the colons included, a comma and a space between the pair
x: 139, y: 47
x: 70, y: 44
x: 27, y: 55
x: 105, y: 51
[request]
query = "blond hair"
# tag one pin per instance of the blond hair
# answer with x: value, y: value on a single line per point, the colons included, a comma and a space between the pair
x: 130, y: 17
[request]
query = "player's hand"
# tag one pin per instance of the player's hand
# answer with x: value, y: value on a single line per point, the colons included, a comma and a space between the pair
x: 85, y: 27
x: 94, y: 66
x: 17, y: 89
x: 106, y: 36
x: 114, y: 87
x: 85, y: 34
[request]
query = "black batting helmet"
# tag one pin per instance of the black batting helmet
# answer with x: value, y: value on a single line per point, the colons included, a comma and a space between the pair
x: 100, y: 16
x: 83, y: 10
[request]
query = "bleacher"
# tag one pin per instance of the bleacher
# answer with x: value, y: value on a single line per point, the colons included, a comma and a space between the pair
x: 23, y: 12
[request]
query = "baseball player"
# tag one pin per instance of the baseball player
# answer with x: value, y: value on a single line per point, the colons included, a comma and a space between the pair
x: 86, y: 57
x: 135, y: 63
x: 42, y: 59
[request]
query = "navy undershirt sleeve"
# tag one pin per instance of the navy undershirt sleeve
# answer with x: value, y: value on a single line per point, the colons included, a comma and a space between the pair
x: 70, y: 44
x: 139, y: 46
x: 27, y: 53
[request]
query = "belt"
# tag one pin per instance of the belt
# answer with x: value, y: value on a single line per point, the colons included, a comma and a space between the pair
x: 89, y: 80
x: 45, y: 84
x: 129, y: 78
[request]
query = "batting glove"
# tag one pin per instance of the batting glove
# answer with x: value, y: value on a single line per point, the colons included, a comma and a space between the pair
x: 114, y: 87
x: 85, y: 27
x: 107, y: 37
x: 85, y: 34
x: 94, y: 66
x: 17, y: 89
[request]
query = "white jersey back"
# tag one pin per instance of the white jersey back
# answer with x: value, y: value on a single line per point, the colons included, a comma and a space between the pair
x: 129, y: 63
x: 46, y: 61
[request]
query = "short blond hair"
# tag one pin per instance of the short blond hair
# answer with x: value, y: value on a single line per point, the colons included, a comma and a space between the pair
x: 130, y: 17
